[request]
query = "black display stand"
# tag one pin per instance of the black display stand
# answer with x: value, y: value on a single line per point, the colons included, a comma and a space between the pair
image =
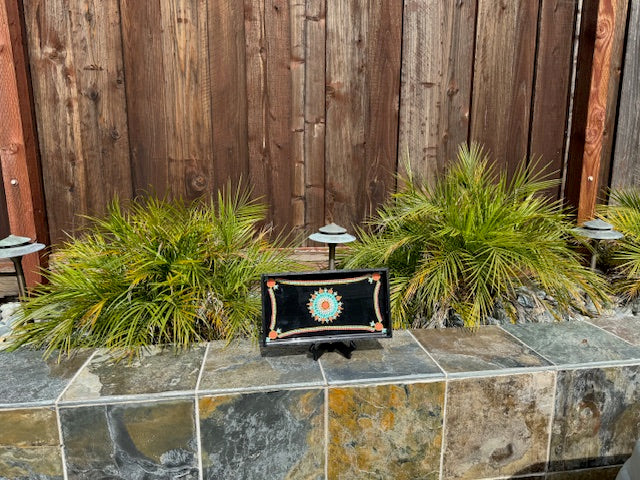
x: 319, y: 349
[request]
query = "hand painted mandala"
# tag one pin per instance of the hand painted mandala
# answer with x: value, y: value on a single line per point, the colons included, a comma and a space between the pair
x: 325, y: 305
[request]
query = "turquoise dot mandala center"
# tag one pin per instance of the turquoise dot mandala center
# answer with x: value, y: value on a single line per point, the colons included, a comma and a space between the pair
x: 325, y: 305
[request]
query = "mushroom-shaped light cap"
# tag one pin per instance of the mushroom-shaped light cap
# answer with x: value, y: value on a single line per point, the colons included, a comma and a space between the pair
x: 14, y: 246
x: 332, y: 233
x: 598, y: 229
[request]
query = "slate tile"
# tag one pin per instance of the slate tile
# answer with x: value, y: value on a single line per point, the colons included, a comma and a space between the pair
x: 597, y: 418
x: 260, y: 435
x: 150, y: 441
x: 386, y: 431
x: 30, y: 445
x: 400, y: 358
x: 497, y: 426
x: 156, y: 371
x: 627, y: 328
x: 573, y: 343
x: 27, y: 379
x: 240, y: 366
x: 486, y: 349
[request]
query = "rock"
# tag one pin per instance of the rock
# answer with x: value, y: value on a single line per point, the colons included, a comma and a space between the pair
x: 454, y: 320
x: 525, y: 299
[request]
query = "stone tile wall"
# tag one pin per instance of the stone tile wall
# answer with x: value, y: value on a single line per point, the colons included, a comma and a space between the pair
x: 553, y: 401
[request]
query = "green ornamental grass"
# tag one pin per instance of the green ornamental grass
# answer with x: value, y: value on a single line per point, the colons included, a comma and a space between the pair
x: 159, y: 272
x: 624, y: 215
x: 467, y: 244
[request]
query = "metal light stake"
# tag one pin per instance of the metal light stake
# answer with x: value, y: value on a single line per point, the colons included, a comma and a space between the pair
x: 332, y: 235
x: 598, y: 230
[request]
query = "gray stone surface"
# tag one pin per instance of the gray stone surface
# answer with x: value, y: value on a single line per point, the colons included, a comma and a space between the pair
x: 386, y: 431
x: 400, y: 357
x: 490, y: 348
x: 573, y: 343
x: 156, y: 371
x: 497, y: 426
x: 135, y: 441
x: 626, y: 327
x: 239, y: 366
x: 597, y: 419
x: 30, y: 445
x: 263, y: 435
x: 27, y: 379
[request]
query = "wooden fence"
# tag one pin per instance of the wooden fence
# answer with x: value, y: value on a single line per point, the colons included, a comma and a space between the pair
x: 313, y: 103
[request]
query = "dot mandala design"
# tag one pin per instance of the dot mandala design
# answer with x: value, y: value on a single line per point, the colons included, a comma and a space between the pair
x: 325, y: 305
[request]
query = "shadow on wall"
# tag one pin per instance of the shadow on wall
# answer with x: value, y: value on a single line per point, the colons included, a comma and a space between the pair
x: 600, y: 468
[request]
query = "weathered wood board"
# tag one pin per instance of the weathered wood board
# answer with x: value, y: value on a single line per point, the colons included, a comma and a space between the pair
x: 363, y: 85
x: 503, y: 79
x: 626, y: 165
x: 77, y: 75
x: 437, y: 66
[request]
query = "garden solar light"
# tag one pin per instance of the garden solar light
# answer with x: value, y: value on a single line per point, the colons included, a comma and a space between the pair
x: 332, y: 235
x: 597, y: 230
x: 14, y: 248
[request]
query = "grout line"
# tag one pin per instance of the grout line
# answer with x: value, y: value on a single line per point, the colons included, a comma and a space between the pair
x: 610, y: 333
x: 159, y: 399
x: 444, y: 407
x: 427, y: 352
x: 324, y: 375
x: 204, y: 361
x: 552, y: 418
x: 196, y: 403
x: 528, y: 346
x: 326, y: 421
x: 63, y: 455
x: 326, y: 433
x: 443, y: 443
x: 262, y: 388
x: 131, y: 398
x: 84, y: 365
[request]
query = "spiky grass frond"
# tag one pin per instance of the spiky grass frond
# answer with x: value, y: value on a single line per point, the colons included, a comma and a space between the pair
x: 471, y: 240
x: 159, y: 272
x: 624, y: 214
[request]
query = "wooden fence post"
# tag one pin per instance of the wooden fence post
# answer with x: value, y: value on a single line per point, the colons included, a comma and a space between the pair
x: 18, y: 143
x: 602, y: 23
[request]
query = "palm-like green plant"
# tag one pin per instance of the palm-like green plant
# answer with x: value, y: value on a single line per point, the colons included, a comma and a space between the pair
x: 470, y: 241
x: 624, y: 215
x: 159, y: 272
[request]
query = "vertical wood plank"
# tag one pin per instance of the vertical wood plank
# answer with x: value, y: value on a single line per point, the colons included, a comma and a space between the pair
x: 584, y: 62
x: 297, y: 18
x: 228, y: 92
x: 347, y: 29
x: 503, y: 78
x: 626, y: 165
x: 363, y: 75
x: 314, y: 134
x: 54, y: 83
x: 187, y: 97
x: 76, y: 63
x: 145, y: 88
x: 102, y: 121
x: 269, y: 105
x: 613, y: 91
x: 383, y: 65
x: 552, y: 85
x: 596, y: 112
x: 437, y: 63
x: 18, y: 152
